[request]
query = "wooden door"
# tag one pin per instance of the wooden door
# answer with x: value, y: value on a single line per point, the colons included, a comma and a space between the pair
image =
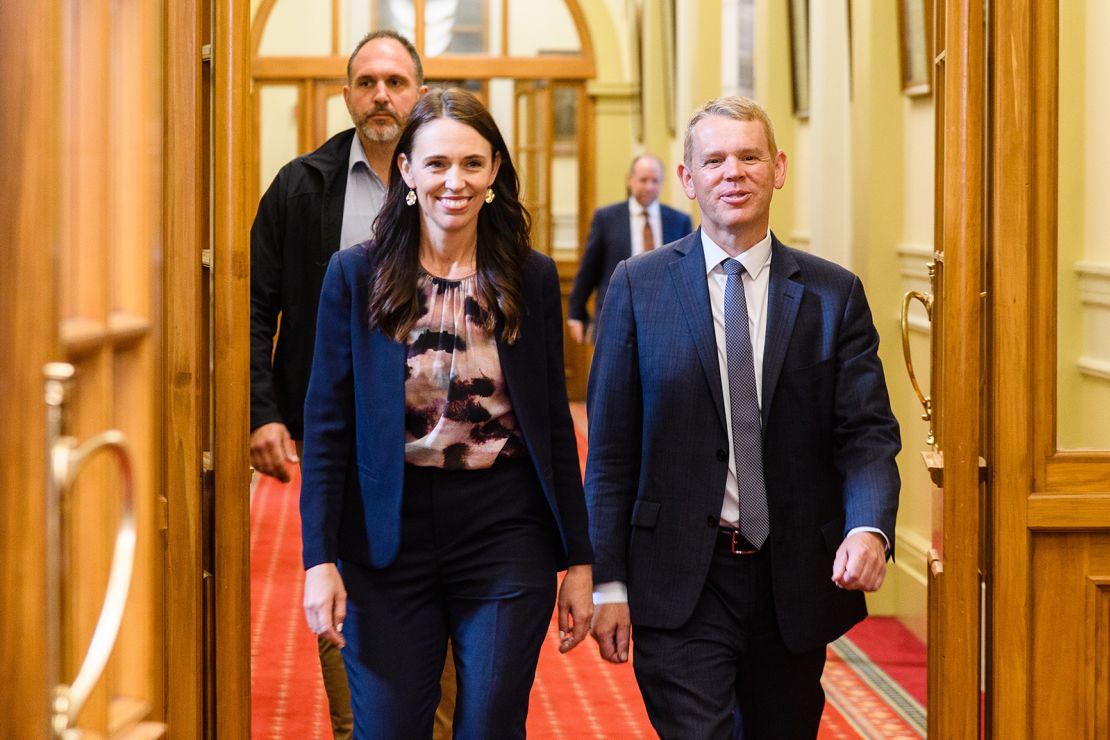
x: 955, y: 572
x: 1049, y: 581
x: 1023, y: 535
x: 83, y: 126
x: 122, y: 220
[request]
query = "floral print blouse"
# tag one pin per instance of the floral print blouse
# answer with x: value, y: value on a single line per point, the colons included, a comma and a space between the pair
x: 458, y: 415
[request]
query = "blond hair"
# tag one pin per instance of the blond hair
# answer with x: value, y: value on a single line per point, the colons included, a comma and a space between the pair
x: 729, y: 106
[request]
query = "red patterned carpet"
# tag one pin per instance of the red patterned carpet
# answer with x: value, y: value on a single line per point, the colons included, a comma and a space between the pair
x: 874, y: 679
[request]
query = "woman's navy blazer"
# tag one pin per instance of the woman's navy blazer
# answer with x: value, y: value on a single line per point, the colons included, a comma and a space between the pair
x: 354, y: 445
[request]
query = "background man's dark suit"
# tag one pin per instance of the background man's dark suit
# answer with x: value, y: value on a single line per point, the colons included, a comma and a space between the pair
x: 609, y: 242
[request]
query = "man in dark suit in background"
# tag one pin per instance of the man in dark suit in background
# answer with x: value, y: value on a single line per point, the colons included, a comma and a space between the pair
x: 741, y: 476
x: 318, y: 204
x: 619, y: 231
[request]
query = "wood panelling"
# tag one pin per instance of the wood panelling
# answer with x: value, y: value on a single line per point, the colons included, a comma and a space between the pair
x: 954, y: 624
x: 185, y: 370
x: 1011, y: 450
x: 29, y: 138
x: 453, y: 67
x: 1098, y: 656
x: 1081, y: 511
x: 1077, y: 471
x: 1070, y: 620
x: 231, y: 367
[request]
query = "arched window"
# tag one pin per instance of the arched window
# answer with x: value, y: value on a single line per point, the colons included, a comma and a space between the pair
x: 529, y: 61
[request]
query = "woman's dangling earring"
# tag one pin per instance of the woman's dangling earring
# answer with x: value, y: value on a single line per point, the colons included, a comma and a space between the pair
x: 410, y: 199
x: 489, y: 195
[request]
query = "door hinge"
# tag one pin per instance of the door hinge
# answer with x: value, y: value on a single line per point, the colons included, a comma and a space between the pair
x: 206, y: 258
x: 163, y: 514
x: 206, y: 53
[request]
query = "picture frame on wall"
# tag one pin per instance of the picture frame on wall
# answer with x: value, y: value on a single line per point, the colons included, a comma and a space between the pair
x: 798, y: 12
x: 915, y: 33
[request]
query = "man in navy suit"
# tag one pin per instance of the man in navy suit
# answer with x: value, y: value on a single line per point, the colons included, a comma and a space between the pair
x: 618, y: 231
x: 741, y: 476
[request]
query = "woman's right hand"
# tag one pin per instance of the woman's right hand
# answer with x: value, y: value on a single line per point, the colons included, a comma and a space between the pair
x: 325, y: 602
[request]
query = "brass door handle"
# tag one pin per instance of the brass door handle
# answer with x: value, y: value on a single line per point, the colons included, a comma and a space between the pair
x: 926, y: 401
x: 66, y: 459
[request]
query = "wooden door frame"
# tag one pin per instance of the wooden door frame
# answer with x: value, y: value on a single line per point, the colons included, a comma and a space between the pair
x: 1020, y: 240
x: 231, y: 363
x: 185, y: 373
x: 207, y: 237
x: 954, y: 576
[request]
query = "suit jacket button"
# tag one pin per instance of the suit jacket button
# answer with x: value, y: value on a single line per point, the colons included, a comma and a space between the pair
x: 722, y: 455
x: 713, y: 521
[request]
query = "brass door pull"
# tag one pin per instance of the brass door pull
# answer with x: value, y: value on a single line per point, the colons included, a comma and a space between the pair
x: 926, y: 401
x: 66, y: 459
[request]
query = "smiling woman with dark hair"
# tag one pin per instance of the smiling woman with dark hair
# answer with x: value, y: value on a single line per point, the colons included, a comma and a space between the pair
x: 441, y: 486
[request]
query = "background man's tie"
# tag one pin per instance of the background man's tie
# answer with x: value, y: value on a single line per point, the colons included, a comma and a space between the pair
x: 747, y: 425
x: 649, y: 239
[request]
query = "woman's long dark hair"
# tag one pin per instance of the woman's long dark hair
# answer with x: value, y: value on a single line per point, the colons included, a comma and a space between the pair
x: 503, y: 231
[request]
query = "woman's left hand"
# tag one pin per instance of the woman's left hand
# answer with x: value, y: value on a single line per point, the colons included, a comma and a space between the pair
x: 576, y: 606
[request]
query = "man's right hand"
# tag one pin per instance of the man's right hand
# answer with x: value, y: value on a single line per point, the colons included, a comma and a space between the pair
x: 612, y: 626
x: 271, y: 449
x: 577, y: 330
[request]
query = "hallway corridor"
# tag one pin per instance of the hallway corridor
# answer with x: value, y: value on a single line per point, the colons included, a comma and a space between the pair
x: 874, y: 679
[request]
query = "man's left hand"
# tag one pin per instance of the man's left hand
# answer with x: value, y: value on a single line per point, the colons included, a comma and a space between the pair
x: 860, y: 563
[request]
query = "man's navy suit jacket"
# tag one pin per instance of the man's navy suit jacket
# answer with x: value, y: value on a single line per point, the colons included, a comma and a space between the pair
x: 354, y: 447
x: 609, y: 242
x: 655, y: 473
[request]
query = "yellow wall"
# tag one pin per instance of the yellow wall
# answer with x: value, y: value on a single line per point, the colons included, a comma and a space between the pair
x: 860, y: 192
x: 1083, y: 359
x: 892, y: 205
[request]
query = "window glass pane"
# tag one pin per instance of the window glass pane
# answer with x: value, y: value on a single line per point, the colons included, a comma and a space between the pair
x: 277, y: 130
x: 297, y: 28
x: 354, y: 23
x: 456, y: 27
x: 541, y: 28
x: 501, y: 103
x: 400, y: 15
x: 1083, y: 239
x: 336, y: 116
x: 564, y: 172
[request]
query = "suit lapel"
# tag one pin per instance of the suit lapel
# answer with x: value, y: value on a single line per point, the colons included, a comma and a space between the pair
x: 784, y: 296
x: 688, y: 274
